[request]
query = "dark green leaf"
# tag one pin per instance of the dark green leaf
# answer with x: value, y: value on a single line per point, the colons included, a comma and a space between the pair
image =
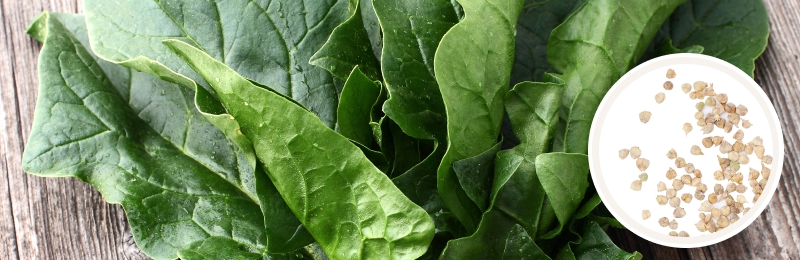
x: 269, y: 43
x: 592, y: 60
x: 475, y: 175
x: 596, y: 245
x: 351, y: 208
x: 519, y: 245
x: 733, y: 30
x: 139, y: 141
x: 355, y: 107
x: 564, y: 178
x: 472, y: 66
x: 348, y: 47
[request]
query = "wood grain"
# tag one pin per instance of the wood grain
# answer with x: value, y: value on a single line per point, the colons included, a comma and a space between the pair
x: 50, y: 218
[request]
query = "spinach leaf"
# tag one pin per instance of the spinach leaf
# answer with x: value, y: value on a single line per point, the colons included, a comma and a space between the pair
x: 139, y: 141
x: 349, y: 206
x: 537, y: 20
x: 472, y: 66
x: 349, y: 46
x: 593, y: 243
x: 355, y: 107
x: 564, y: 178
x: 269, y: 42
x: 519, y: 245
x: 517, y: 195
x: 733, y: 30
x: 475, y: 175
x: 592, y: 60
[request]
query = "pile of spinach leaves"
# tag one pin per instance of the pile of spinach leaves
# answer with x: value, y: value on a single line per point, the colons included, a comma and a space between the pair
x: 347, y: 129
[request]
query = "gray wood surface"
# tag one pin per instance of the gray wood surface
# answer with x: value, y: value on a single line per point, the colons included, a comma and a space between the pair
x: 50, y: 218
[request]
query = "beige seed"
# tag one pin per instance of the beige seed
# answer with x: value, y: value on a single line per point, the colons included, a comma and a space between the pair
x: 689, y: 168
x: 701, y: 226
x: 668, y: 85
x: 701, y: 216
x: 729, y: 200
x: 744, y: 159
x: 722, y: 222
x: 738, y: 177
x: 725, y: 147
x: 661, y: 199
x: 757, y: 141
x: 731, y: 187
x: 686, y: 197
x: 683, y: 234
x: 686, y: 179
x: 720, y: 123
x: 699, y: 115
x: 642, y: 164
x: 671, y: 174
x: 715, y: 213
x: 718, y: 189
x: 698, y: 173
x: 670, y: 74
x: 733, y: 119
x: 671, y: 193
x: 726, y: 210
x: 706, y: 206
x: 722, y: 98
x: 664, y: 221
x: 767, y: 159
x: 699, y: 95
x: 753, y: 174
x: 701, y: 122
x: 711, y: 226
x: 710, y: 90
x: 696, y: 181
x: 635, y: 152
x: 695, y: 150
x: 730, y: 107
x: 734, y: 156
x: 759, y: 151
x: 623, y: 153
x: 677, y: 184
x: 716, y: 140
x: 712, y: 198
x: 680, y: 162
x: 727, y: 174
x: 644, y: 116
x: 692, y: 95
x: 718, y: 175
x: 699, y: 195
x: 700, y: 85
x: 661, y: 186
x: 660, y: 97
x: 710, y: 101
x: 674, y: 202
x: 718, y: 109
x: 672, y: 154
x: 765, y: 172
x: 741, y: 110
x: 746, y: 123
x: 636, y: 185
x: 707, y: 142
x: 679, y: 212
x: 739, y: 135
x: 687, y: 128
x: 673, y: 225
x: 741, y: 188
x: 728, y: 127
x: 755, y: 198
x: 748, y: 149
x: 738, y: 146
x: 702, y: 188
x: 673, y: 234
x: 711, y: 118
x: 645, y: 214
x: 741, y: 199
x: 686, y: 87
x: 699, y: 106
x: 733, y: 218
x: 707, y: 129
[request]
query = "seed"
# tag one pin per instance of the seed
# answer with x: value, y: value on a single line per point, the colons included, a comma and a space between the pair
x: 644, y: 117
x: 643, y: 176
x: 734, y: 166
x: 706, y: 206
x: 767, y: 159
x: 661, y: 199
x: 695, y: 150
x: 715, y: 213
x: 683, y: 234
x: 707, y: 129
x: 738, y: 177
x: 748, y: 149
x: 668, y: 85
x: 733, y: 218
x: 757, y: 141
x: 673, y: 234
x: 645, y: 214
x: 755, y: 198
x: 670, y: 74
x: 731, y: 187
x: 726, y: 210
x: 729, y: 200
x: 642, y: 164
x: 686, y: 179
x: 686, y: 197
x: 722, y: 98
x: 716, y: 140
x: 698, y: 173
x: 762, y: 183
x: 733, y: 118
x: 727, y: 174
x: 741, y: 188
x: 623, y: 153
x: 661, y: 186
x: 712, y: 198
x: 664, y: 221
x: 753, y: 175
x: 673, y: 225
x: 759, y: 150
x: 710, y: 101
x: 674, y: 202
x: 635, y: 152
x: 701, y: 226
x: 671, y: 174
x: 718, y: 109
x: 700, y: 85
x: 692, y: 95
x: 725, y: 147
x: 744, y: 159
x: 677, y: 184
x: 718, y: 175
x: 696, y: 181
x: 711, y: 226
x: 699, y: 106
x: 733, y: 156
x: 699, y: 195
x: 741, y: 199
x: 680, y: 162
x: 687, y: 128
x: 730, y: 108
x: 757, y: 190
x: 636, y: 185
x: 701, y: 122
x: 728, y: 127
x: 699, y: 95
x: 746, y: 123
x: 741, y: 110
x: 686, y: 87
x: 660, y: 97
x: 672, y: 154
x: 699, y: 115
x: 671, y: 193
x: 679, y: 212
x: 718, y: 189
x: 710, y: 90
x: 765, y: 172
x: 722, y: 222
x: 707, y: 142
x: 689, y: 168
x: 711, y: 118
x: 720, y: 123
x: 739, y: 135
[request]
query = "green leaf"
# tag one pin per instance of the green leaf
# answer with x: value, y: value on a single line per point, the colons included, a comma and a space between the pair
x: 348, y: 47
x: 138, y: 140
x: 733, y: 30
x: 472, y: 65
x: 517, y: 195
x: 355, y: 107
x: 268, y: 42
x: 349, y: 206
x: 475, y: 175
x: 591, y: 61
x: 519, y: 245
x: 667, y: 48
x: 595, y: 244
x: 537, y: 20
x: 564, y: 178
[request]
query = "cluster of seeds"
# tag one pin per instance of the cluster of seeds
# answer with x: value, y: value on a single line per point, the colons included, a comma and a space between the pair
x: 725, y: 204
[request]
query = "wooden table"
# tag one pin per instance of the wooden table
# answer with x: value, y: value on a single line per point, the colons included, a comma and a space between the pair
x: 50, y: 218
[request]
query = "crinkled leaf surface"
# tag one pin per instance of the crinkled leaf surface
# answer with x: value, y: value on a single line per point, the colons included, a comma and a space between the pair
x: 141, y: 143
x: 472, y: 66
x: 517, y: 195
x: 733, y: 30
x: 267, y: 41
x: 349, y: 46
x: 350, y: 207
x: 537, y: 20
x: 592, y: 60
x: 564, y: 178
